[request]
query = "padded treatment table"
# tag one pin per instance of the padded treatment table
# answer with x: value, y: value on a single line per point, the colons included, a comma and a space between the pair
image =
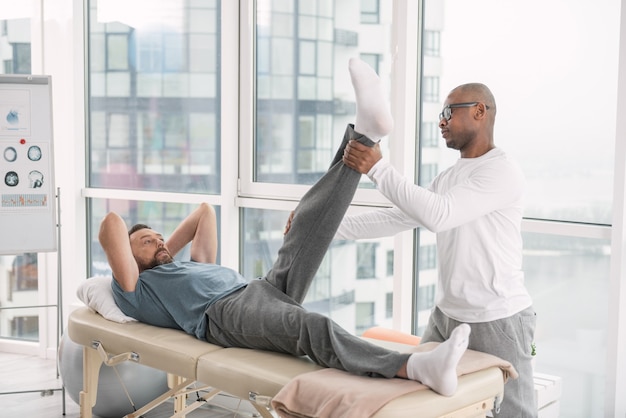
x: 252, y: 375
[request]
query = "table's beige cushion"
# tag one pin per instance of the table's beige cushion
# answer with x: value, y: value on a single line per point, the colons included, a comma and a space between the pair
x: 240, y: 371
x: 170, y: 350
x: 485, y: 384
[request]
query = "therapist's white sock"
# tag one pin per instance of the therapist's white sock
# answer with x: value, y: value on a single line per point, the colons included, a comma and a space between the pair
x: 373, y: 116
x: 437, y: 368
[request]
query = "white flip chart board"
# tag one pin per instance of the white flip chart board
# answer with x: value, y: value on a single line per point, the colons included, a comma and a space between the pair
x: 27, y: 192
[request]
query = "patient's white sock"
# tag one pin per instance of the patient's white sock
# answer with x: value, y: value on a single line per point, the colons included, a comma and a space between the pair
x: 373, y: 116
x: 437, y: 368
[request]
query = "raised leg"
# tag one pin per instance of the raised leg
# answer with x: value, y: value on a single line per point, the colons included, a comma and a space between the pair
x: 314, y: 225
x: 321, y: 210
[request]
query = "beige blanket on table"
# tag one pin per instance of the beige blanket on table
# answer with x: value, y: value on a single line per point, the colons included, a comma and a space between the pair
x: 331, y: 393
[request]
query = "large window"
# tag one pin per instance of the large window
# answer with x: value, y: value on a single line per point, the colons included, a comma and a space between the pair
x: 303, y: 95
x: 154, y: 104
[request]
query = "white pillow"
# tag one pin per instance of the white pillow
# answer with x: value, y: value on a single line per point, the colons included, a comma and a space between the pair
x: 96, y: 293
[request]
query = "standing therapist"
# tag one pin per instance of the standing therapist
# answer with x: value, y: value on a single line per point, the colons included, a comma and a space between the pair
x: 475, y: 208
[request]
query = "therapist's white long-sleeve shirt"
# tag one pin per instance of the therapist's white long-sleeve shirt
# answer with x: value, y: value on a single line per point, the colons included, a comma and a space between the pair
x: 475, y: 208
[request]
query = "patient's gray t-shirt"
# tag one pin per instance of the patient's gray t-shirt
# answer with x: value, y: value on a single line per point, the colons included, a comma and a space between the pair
x: 176, y: 295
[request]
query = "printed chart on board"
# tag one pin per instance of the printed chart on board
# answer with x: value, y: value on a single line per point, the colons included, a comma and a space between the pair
x: 27, y: 191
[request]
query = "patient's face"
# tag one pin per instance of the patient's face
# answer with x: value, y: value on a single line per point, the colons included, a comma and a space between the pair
x: 149, y: 249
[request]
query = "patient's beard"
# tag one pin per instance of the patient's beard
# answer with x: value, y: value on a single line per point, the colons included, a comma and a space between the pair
x: 157, y: 260
x: 162, y: 257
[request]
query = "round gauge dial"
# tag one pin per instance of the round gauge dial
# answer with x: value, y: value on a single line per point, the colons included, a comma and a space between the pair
x: 34, y: 153
x: 11, y: 179
x: 10, y: 154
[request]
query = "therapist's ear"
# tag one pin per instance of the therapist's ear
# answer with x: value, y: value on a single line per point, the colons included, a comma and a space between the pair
x: 481, y: 111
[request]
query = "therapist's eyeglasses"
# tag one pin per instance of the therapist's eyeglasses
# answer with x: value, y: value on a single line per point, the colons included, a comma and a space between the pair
x: 446, y: 113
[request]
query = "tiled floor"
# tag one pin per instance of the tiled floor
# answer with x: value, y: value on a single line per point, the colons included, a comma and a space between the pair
x: 35, y: 393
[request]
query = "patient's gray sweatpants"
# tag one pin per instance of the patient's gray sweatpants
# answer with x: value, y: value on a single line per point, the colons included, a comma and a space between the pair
x: 267, y: 314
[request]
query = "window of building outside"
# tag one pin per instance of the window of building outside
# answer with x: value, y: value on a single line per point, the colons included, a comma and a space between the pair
x: 427, y: 257
x: 430, y: 88
x: 370, y: 11
x: 389, y: 305
x: 365, y: 314
x: 428, y: 172
x: 566, y: 276
x: 432, y: 43
x: 19, y: 277
x: 366, y: 260
x: 430, y: 136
